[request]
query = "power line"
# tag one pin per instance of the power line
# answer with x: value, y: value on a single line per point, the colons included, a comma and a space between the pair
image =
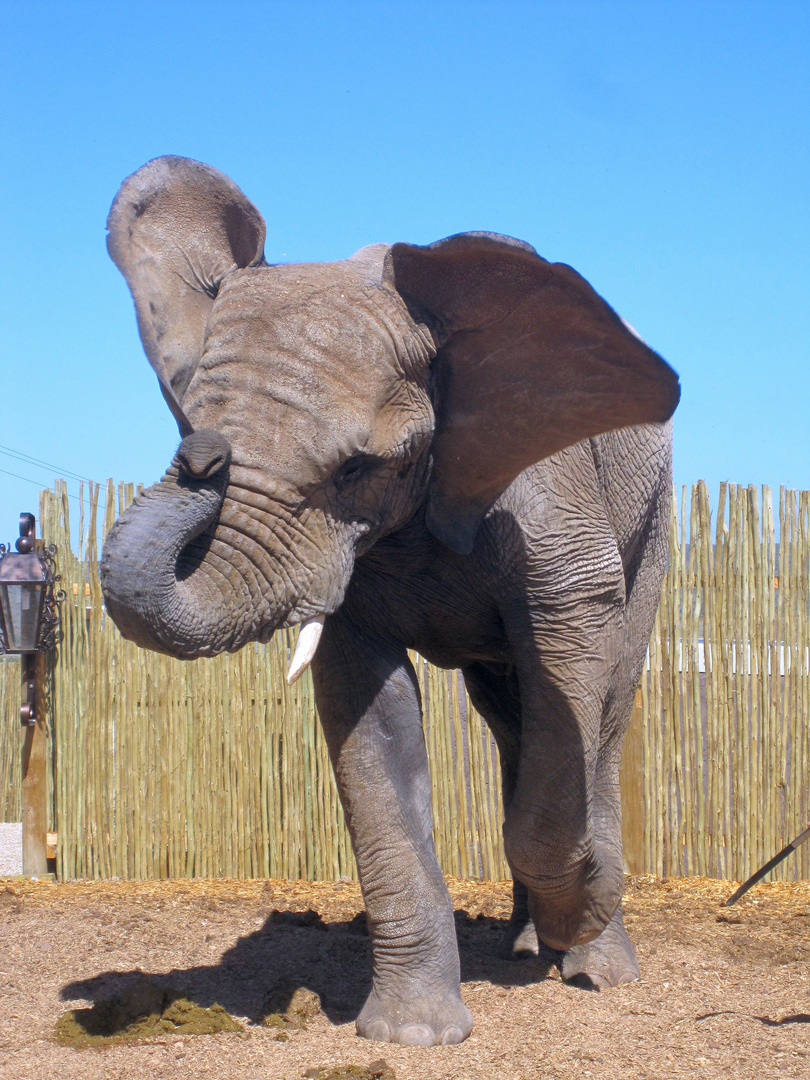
x: 38, y: 483
x: 11, y: 452
x: 17, y: 476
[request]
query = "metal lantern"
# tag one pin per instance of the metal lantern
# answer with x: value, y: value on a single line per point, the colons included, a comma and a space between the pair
x: 28, y: 614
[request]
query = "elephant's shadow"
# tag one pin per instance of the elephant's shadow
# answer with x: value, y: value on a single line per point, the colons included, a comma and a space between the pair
x: 297, y: 949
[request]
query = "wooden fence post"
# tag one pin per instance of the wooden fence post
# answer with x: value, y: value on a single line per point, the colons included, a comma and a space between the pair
x: 34, y: 770
x: 631, y: 780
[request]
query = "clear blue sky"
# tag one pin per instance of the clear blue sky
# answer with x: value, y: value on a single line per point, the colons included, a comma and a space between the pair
x: 659, y: 146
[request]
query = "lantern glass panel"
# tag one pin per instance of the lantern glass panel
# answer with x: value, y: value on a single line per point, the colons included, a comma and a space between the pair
x: 21, y: 602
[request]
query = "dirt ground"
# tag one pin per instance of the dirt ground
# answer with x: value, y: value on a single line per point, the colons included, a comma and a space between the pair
x: 723, y: 992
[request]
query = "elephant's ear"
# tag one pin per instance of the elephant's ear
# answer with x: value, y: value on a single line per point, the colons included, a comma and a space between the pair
x: 176, y: 228
x: 530, y: 360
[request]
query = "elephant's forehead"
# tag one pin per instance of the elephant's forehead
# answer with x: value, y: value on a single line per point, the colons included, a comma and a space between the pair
x: 299, y: 362
x: 307, y: 321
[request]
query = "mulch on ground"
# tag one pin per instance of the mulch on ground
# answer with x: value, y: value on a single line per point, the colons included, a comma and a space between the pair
x: 724, y: 991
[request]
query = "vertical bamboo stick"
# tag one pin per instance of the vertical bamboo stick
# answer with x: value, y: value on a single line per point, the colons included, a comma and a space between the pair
x: 650, y: 716
x: 708, y: 789
x: 459, y: 806
x: 803, y: 673
x: 724, y: 575
x: 771, y: 746
x: 691, y: 803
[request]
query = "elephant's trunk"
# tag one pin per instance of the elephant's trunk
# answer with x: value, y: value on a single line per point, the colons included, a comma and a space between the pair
x: 204, y: 561
x: 163, y: 584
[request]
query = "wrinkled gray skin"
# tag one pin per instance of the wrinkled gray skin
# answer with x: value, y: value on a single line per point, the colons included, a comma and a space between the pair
x: 419, y: 443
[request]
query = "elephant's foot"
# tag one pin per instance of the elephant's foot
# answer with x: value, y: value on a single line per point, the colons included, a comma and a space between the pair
x: 608, y: 960
x: 520, y: 941
x: 520, y: 938
x: 435, y: 1019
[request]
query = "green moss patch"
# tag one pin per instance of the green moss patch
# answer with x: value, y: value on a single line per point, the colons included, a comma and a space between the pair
x: 377, y: 1070
x: 143, y: 1011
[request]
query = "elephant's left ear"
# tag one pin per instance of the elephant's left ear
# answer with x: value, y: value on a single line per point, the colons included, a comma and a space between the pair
x: 530, y: 360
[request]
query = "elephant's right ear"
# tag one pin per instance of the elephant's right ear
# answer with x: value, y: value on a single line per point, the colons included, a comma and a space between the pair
x: 530, y: 360
x: 176, y: 228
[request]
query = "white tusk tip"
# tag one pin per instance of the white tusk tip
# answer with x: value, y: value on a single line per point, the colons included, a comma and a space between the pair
x: 308, y: 638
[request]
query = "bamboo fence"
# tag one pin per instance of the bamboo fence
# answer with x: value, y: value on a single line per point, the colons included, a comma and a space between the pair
x: 216, y: 768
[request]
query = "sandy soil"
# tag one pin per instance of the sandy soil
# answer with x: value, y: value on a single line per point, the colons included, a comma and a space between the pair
x: 724, y: 992
x: 10, y: 848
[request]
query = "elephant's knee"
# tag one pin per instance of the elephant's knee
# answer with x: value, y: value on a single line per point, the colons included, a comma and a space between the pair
x: 561, y: 924
x: 573, y: 893
x: 543, y: 857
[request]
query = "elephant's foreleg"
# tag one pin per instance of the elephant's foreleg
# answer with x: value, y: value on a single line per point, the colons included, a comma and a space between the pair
x: 369, y: 706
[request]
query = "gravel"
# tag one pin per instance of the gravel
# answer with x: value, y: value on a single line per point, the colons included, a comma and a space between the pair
x: 11, y: 849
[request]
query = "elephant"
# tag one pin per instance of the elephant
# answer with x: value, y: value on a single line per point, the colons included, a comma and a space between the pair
x: 457, y: 448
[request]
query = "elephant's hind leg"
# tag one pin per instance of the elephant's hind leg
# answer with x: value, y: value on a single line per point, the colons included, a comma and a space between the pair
x: 496, y: 696
x: 608, y: 960
x: 369, y: 706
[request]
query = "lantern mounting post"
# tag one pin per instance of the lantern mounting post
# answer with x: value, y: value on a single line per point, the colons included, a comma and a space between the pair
x: 29, y: 626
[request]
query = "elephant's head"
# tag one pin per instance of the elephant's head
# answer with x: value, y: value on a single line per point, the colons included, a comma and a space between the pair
x: 322, y: 405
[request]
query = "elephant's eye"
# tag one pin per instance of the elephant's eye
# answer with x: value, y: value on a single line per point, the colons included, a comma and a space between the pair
x: 352, y: 469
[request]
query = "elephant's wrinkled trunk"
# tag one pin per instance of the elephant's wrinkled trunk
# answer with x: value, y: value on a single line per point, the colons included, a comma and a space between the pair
x: 159, y: 588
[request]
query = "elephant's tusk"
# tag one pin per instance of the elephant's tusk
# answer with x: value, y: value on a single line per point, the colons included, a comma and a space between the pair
x: 306, y: 648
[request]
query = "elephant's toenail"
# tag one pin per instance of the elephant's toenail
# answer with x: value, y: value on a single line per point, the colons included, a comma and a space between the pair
x: 451, y: 1036
x: 377, y: 1031
x: 417, y: 1035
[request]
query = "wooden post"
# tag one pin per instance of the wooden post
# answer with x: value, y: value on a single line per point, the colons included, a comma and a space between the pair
x: 631, y: 780
x: 34, y: 769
